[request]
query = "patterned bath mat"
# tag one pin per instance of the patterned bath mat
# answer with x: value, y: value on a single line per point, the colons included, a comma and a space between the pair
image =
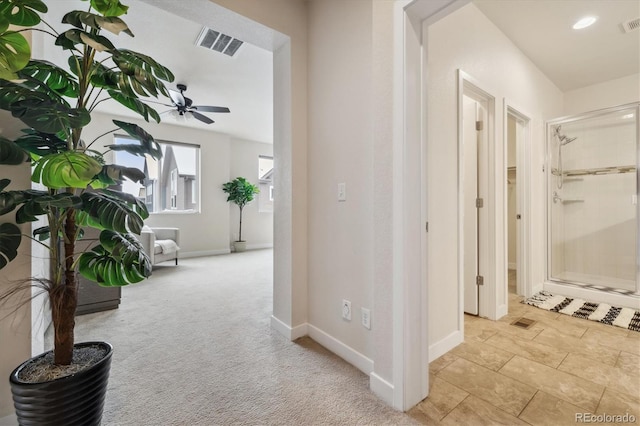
x: 601, y: 312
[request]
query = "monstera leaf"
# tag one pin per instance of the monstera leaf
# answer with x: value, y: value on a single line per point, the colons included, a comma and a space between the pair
x: 10, y: 153
x: 39, y: 144
x: 23, y: 13
x: 38, y: 206
x: 67, y: 169
x: 147, y: 146
x: 111, y: 173
x: 46, y: 77
x: 10, y: 238
x: 136, y: 105
x: 109, y: 7
x: 80, y: 19
x: 118, y: 260
x: 14, y: 54
x: 112, y: 210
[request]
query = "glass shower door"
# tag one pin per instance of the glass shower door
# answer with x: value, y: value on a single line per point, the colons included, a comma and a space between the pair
x: 592, y: 199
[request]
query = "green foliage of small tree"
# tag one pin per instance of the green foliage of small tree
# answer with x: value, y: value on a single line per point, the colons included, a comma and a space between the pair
x: 56, y: 105
x: 241, y: 192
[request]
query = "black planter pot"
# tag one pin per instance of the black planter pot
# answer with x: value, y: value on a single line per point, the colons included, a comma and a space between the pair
x: 77, y: 399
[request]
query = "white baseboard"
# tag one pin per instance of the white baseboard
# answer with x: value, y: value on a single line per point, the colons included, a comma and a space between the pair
x: 345, y: 352
x: 202, y: 253
x: 626, y: 301
x: 445, y: 345
x: 381, y: 388
x: 502, y: 311
x: 289, y: 332
x: 259, y: 246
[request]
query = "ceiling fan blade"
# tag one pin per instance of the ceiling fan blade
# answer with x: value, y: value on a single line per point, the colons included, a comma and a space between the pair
x: 206, y: 108
x: 202, y: 117
x: 176, y: 97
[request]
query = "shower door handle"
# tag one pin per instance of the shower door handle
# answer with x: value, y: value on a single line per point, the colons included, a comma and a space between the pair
x: 518, y: 216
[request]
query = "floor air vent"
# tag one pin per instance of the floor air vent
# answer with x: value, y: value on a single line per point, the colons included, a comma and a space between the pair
x: 215, y: 40
x: 523, y: 322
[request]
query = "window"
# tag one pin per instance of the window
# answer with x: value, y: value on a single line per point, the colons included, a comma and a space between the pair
x: 170, y: 183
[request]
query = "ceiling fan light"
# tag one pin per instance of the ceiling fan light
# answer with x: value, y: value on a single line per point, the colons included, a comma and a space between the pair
x: 585, y: 22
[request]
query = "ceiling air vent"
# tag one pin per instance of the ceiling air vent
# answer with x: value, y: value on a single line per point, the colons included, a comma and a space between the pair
x: 631, y: 25
x: 215, y: 40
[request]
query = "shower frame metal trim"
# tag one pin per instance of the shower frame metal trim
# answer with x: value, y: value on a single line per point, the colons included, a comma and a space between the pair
x: 547, y: 173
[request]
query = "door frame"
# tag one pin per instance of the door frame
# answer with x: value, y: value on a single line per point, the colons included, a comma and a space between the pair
x: 523, y: 190
x: 487, y: 301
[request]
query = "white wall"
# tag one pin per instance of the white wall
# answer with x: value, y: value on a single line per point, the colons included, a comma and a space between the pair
x: 489, y: 57
x: 288, y: 18
x: 341, y: 150
x: 257, y: 227
x: 607, y: 94
x: 15, y: 326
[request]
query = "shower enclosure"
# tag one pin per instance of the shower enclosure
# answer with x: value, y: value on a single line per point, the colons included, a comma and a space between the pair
x: 592, y: 198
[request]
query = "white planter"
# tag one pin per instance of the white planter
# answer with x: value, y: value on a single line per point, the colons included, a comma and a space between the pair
x: 239, y: 246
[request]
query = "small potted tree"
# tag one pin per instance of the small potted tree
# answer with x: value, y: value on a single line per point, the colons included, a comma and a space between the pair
x: 241, y: 192
x: 56, y: 105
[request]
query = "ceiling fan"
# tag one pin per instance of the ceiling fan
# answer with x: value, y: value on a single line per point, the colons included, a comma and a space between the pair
x: 185, y: 105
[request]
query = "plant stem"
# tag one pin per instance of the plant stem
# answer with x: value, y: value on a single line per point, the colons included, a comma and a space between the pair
x: 240, y: 231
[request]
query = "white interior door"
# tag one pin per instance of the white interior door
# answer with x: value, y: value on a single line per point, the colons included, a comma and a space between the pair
x: 470, y: 149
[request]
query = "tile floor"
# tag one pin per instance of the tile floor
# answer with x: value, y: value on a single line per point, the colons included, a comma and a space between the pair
x: 557, y: 369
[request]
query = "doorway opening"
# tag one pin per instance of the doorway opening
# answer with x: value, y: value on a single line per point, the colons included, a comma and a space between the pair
x: 475, y: 147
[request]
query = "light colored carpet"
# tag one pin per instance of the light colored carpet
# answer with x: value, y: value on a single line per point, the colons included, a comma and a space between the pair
x: 193, y: 346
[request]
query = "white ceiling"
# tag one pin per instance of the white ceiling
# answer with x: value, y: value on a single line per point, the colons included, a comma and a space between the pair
x: 571, y: 58
x: 244, y: 83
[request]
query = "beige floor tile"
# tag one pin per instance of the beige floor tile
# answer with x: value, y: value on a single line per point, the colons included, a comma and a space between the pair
x: 610, y: 329
x: 443, y: 397
x: 603, y: 374
x: 547, y: 410
x: 616, y: 403
x: 591, y: 349
x: 441, y: 362
x: 505, y: 393
x: 565, y: 386
x: 611, y: 340
x: 476, y: 412
x: 529, y: 349
x: 483, y: 328
x: 486, y: 355
x: 424, y: 418
x: 629, y: 362
x: 477, y: 330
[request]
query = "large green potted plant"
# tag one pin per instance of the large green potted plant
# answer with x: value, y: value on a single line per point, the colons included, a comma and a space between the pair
x: 240, y: 192
x: 56, y: 104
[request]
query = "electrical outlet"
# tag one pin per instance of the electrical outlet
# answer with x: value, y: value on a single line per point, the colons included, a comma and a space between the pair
x: 366, y: 318
x: 346, y: 309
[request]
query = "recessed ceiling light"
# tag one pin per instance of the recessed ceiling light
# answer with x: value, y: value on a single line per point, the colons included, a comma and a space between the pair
x: 584, y: 22
x: 627, y: 116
